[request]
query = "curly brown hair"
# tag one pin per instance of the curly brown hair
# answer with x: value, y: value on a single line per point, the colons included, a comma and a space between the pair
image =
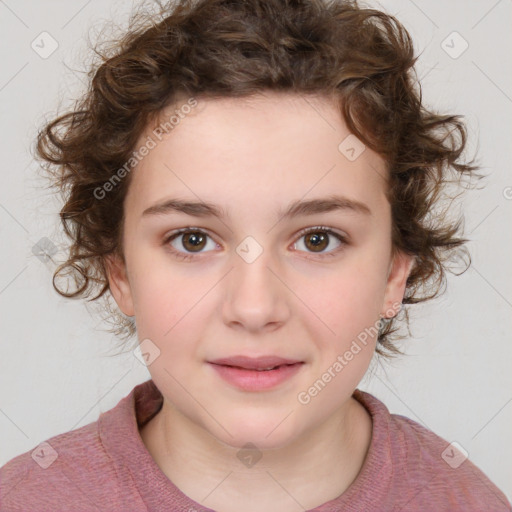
x: 360, y: 57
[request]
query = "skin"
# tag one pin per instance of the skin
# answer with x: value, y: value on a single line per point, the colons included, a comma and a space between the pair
x: 251, y: 157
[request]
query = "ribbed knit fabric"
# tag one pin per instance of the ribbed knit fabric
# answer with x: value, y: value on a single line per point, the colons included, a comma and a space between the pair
x: 106, y: 466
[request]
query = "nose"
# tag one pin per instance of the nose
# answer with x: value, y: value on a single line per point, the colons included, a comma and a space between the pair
x: 256, y: 298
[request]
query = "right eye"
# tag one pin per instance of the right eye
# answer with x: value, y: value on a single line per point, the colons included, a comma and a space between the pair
x: 192, y: 240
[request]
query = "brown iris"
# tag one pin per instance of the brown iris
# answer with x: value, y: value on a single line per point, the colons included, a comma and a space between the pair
x: 318, y: 239
x: 195, y: 239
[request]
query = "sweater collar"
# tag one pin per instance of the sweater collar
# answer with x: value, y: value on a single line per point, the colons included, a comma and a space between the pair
x: 119, y: 433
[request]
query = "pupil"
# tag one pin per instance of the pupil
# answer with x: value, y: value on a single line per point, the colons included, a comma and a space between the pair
x: 317, y: 240
x: 194, y: 240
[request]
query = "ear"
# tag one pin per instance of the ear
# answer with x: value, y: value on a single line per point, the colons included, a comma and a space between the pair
x: 399, y: 271
x: 119, y: 283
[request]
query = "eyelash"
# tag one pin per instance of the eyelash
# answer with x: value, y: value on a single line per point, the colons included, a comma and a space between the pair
x: 315, y: 229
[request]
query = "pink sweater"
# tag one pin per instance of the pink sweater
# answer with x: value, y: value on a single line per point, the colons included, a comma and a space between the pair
x: 105, y: 466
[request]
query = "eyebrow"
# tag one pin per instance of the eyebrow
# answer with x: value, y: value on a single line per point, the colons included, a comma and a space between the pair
x: 295, y: 209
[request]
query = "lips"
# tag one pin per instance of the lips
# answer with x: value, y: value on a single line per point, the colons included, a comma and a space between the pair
x: 255, y: 363
x: 256, y: 374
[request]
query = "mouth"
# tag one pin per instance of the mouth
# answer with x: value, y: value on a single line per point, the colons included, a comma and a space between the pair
x: 256, y: 373
x: 261, y: 363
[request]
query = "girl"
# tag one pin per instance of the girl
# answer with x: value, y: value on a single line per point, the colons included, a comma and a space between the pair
x: 255, y: 183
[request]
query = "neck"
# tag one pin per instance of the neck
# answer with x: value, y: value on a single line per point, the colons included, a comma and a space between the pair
x: 312, y: 469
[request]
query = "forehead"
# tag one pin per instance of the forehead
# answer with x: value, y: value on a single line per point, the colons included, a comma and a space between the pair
x: 260, y: 150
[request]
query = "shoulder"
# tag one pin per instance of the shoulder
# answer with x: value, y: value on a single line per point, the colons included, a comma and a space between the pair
x: 85, y: 468
x: 423, y: 470
x: 441, y: 470
x: 70, y: 471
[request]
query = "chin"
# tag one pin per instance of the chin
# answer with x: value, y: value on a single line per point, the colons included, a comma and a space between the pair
x: 265, y: 433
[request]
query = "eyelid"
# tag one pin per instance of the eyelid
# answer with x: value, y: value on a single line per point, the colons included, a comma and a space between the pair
x: 326, y: 229
x: 342, y: 238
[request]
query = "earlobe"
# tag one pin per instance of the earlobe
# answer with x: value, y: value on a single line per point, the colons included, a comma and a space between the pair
x: 399, y: 271
x: 119, y: 283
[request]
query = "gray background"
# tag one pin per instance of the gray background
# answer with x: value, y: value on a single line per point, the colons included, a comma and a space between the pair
x: 57, y: 372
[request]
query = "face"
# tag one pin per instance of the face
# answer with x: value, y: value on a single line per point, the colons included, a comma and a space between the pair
x: 254, y: 274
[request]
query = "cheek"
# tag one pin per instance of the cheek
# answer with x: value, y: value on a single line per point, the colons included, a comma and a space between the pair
x: 348, y: 302
x: 165, y: 302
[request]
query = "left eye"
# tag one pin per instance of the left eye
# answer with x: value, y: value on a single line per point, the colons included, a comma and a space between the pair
x: 319, y: 238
